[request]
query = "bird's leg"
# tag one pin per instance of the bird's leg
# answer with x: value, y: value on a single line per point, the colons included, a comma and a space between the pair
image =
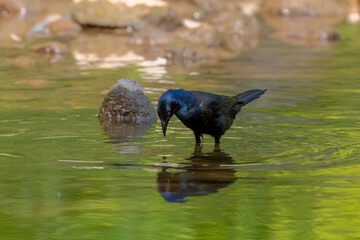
x: 197, y: 138
x: 197, y: 149
x: 217, y: 142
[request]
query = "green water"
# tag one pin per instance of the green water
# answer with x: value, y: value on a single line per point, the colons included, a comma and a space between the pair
x: 289, y: 167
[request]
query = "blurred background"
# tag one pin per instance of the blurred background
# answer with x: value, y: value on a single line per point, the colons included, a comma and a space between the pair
x: 109, y: 34
x: 288, y: 168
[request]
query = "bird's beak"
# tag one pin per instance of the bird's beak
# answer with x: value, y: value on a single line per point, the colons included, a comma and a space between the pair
x: 164, y: 125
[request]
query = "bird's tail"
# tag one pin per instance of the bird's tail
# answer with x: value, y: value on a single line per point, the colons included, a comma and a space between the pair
x: 249, y: 96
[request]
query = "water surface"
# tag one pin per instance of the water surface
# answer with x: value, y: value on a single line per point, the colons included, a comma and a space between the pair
x: 287, y: 169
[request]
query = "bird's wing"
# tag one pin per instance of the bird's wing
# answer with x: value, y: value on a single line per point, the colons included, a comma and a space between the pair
x: 206, y: 100
x: 212, y: 105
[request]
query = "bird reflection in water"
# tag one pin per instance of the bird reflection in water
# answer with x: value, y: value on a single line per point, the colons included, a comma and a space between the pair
x: 205, y: 173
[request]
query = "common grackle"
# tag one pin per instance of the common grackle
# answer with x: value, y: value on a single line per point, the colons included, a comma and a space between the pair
x: 204, y: 113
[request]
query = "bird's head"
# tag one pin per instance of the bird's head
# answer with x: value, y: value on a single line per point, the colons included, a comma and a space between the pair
x: 167, y: 106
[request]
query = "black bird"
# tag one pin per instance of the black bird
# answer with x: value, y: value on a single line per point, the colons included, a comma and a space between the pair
x: 204, y: 113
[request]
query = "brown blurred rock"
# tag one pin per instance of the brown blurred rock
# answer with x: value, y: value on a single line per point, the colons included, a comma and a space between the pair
x: 118, y: 14
x: 305, y: 22
x: 52, y: 51
x: 205, y: 35
x: 238, y: 30
x: 13, y: 26
x: 65, y: 28
x: 17, y: 22
x: 24, y: 62
x: 10, y: 9
x: 199, y: 44
x: 247, y: 7
x: 222, y: 29
x: 214, y: 5
x: 182, y: 31
x: 186, y: 9
x: 304, y: 8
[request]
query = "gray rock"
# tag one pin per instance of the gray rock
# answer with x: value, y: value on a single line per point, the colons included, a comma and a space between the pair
x: 55, y: 25
x: 126, y: 102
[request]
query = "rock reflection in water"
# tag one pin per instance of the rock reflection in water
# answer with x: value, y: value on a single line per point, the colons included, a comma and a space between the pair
x: 204, y: 174
x: 120, y: 132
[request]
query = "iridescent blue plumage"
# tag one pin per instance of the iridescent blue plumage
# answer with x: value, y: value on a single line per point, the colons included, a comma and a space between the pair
x: 204, y: 113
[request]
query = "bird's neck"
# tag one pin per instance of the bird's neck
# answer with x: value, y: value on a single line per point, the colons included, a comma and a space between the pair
x: 183, y: 98
x: 186, y: 105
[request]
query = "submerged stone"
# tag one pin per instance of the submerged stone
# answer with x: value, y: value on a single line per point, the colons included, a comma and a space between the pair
x: 24, y: 62
x: 320, y: 37
x: 38, y: 83
x: 126, y: 102
x: 52, y: 51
